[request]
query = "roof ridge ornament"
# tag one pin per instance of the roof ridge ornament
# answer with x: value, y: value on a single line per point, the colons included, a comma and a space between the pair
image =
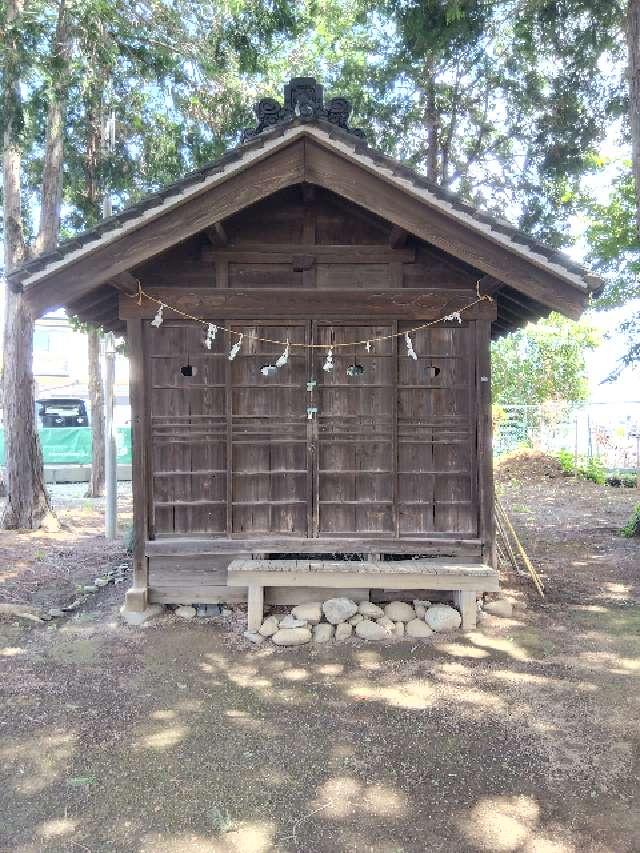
x: 303, y: 99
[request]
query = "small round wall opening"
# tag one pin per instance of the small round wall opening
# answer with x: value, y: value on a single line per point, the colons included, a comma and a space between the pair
x: 355, y: 370
x: 432, y: 371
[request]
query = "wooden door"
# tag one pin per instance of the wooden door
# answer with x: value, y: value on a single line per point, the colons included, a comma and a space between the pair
x: 355, y: 459
x: 437, y: 475
x: 188, y: 457
x: 270, y: 461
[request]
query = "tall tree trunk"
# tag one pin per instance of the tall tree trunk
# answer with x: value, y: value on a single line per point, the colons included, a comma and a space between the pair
x: 52, y: 173
x: 431, y: 122
x: 28, y: 503
x: 633, y: 49
x: 27, y: 497
x: 96, y: 398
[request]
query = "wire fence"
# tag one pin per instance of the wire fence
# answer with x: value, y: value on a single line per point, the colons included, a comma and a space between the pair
x: 607, y: 431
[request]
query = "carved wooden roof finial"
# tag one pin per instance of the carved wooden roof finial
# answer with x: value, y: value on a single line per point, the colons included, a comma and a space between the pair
x: 303, y: 99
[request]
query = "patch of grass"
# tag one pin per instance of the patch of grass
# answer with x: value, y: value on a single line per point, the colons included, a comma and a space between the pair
x: 220, y: 820
x: 632, y: 527
x: 617, y: 622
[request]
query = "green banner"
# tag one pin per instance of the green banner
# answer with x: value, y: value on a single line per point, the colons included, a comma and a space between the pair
x: 72, y: 446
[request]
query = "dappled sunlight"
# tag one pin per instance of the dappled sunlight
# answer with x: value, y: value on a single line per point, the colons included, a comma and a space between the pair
x: 38, y: 761
x: 57, y: 828
x: 246, y: 838
x: 513, y: 677
x: 414, y: 695
x: 501, y: 823
x: 461, y: 680
x: 461, y: 651
x: 163, y: 738
x: 11, y: 652
x: 244, y: 720
x: 368, y: 659
x: 343, y: 796
x: 545, y: 845
x: 618, y: 591
x: 331, y: 669
x: 496, y: 644
x: 163, y: 715
x: 299, y: 674
x: 609, y: 662
x: 504, y: 824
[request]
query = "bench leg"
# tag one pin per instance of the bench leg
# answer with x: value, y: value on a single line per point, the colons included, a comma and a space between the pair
x: 255, y: 610
x: 466, y: 601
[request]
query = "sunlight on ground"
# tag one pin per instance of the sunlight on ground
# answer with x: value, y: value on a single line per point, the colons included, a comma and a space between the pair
x: 508, y: 647
x: 409, y: 694
x: 247, y: 838
x: 164, y: 738
x: 343, y: 796
x: 11, y: 652
x: 39, y: 761
x: 459, y: 650
x: 501, y: 823
x: 56, y: 828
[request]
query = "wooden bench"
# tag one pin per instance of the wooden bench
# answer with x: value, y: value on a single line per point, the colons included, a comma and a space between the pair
x: 462, y: 579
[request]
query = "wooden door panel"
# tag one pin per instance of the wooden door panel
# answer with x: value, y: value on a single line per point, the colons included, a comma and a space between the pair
x: 356, y: 412
x: 436, y: 432
x: 270, y: 470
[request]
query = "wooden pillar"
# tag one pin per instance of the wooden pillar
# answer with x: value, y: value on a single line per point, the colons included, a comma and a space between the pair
x: 255, y: 606
x: 137, y: 596
x: 485, y: 443
x: 465, y: 600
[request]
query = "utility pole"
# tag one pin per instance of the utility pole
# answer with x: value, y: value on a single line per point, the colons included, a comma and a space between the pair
x: 110, y: 456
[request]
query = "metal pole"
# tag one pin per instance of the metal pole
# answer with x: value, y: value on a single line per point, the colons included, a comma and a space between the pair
x: 110, y: 460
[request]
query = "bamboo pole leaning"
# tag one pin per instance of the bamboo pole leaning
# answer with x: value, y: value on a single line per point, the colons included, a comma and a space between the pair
x: 506, y: 529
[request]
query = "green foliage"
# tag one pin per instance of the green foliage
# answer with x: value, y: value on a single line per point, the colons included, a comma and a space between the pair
x: 593, y: 470
x: 545, y: 361
x: 590, y: 468
x: 567, y: 462
x: 632, y: 527
x: 614, y: 248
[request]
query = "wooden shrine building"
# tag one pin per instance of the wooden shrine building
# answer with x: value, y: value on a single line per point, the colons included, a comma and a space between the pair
x: 322, y: 387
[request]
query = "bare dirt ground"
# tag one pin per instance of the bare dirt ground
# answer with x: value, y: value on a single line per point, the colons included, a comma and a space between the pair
x: 521, y: 736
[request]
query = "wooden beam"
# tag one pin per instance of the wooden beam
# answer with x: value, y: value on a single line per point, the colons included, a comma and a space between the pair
x: 484, y: 443
x: 429, y: 545
x: 335, y: 172
x: 308, y: 303
x: 139, y: 471
x: 235, y: 192
x: 92, y: 301
x: 489, y: 285
x: 398, y: 237
x: 217, y: 235
x: 125, y: 282
x: 308, y: 193
x: 283, y: 253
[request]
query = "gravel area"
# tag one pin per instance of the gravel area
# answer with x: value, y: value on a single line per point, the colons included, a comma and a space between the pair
x: 521, y: 736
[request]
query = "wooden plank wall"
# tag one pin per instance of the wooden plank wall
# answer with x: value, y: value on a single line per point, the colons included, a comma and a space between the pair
x: 390, y: 451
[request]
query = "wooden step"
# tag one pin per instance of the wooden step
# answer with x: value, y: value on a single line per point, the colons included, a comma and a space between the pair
x: 464, y: 580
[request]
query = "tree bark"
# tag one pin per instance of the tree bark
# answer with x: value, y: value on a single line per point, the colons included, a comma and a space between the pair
x: 96, y: 398
x: 27, y: 498
x: 431, y: 122
x: 52, y: 173
x: 633, y: 52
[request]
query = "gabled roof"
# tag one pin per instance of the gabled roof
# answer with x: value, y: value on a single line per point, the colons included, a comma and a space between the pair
x: 318, y: 151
